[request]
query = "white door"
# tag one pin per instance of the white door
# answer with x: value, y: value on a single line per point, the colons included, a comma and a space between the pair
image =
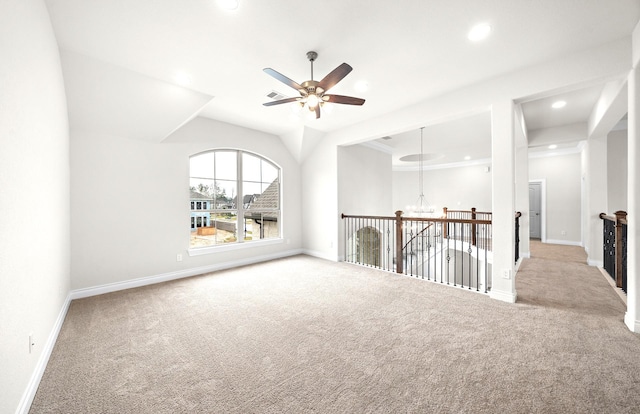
x: 534, y: 210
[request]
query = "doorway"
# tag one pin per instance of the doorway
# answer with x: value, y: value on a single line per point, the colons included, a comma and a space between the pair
x: 536, y: 210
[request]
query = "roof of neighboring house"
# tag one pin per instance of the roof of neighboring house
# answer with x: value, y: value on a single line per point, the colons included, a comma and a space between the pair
x: 269, y: 199
x: 198, y: 196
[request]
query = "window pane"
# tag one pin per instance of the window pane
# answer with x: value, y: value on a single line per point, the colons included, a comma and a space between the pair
x: 269, y: 172
x: 251, y: 192
x: 226, y: 194
x: 226, y: 165
x: 266, y: 196
x: 212, y: 229
x: 259, y: 226
x: 201, y: 189
x: 215, y: 201
x: 250, y: 168
x: 201, y: 165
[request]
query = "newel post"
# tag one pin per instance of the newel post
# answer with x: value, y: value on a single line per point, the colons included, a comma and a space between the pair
x: 399, y: 242
x: 620, y: 215
x: 445, y: 224
x: 473, y: 226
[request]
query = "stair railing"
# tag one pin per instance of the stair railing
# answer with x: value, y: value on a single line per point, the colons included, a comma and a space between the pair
x: 614, y: 247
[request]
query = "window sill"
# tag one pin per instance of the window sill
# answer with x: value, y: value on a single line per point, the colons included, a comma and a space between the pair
x: 232, y: 246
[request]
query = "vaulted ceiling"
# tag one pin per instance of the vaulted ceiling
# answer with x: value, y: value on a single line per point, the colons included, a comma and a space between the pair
x: 142, y: 69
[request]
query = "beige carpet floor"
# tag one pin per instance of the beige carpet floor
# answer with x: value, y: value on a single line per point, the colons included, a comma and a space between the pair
x: 304, y: 335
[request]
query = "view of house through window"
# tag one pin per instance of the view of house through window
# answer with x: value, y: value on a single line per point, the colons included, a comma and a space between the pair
x: 234, y: 198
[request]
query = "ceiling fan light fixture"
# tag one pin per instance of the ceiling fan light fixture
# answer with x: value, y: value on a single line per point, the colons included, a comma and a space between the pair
x: 312, y: 101
x: 313, y: 93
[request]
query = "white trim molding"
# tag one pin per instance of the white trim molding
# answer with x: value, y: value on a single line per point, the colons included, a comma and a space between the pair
x: 564, y: 242
x: 633, y: 325
x: 320, y: 255
x: 503, y: 296
x: 180, y: 274
x: 34, y: 382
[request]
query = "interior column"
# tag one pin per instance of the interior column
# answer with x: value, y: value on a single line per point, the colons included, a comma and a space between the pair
x: 503, y: 201
x: 596, y: 197
x: 522, y: 185
x: 632, y: 317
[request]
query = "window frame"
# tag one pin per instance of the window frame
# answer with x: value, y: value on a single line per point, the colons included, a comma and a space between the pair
x: 239, y: 209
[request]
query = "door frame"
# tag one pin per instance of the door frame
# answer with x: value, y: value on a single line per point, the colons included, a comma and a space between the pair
x: 543, y: 208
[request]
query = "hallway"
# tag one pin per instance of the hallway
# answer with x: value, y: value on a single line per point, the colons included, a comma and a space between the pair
x: 558, y: 276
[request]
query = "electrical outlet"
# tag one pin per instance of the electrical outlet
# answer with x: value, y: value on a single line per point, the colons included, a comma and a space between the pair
x: 32, y: 342
x: 563, y: 232
x: 506, y: 274
x: 178, y: 257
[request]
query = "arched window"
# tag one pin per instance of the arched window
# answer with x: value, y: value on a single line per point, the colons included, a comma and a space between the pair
x: 236, y: 196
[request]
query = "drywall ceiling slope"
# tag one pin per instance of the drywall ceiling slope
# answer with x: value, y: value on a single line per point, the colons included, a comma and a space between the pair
x: 110, y: 99
x: 408, y: 53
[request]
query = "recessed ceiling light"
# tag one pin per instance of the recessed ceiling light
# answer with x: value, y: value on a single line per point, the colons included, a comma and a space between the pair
x: 559, y: 104
x: 467, y: 158
x: 183, y: 79
x: 553, y: 146
x: 229, y: 4
x: 479, y: 32
x: 361, y: 86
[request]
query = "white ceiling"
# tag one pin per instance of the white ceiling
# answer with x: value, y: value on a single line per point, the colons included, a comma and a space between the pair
x: 120, y: 58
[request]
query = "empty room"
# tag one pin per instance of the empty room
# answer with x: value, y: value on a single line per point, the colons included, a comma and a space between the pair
x: 294, y: 206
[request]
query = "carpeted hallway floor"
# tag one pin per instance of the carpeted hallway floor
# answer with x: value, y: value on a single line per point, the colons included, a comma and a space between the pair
x: 304, y: 335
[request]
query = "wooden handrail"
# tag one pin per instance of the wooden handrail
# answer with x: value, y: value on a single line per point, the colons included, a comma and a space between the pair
x: 433, y: 219
x: 416, y: 235
x: 619, y: 219
x: 604, y: 216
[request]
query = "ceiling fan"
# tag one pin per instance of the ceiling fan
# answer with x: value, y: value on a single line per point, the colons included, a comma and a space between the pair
x: 313, y: 93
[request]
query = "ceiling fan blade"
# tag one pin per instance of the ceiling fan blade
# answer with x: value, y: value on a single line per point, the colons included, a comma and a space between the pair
x: 281, y: 101
x: 318, y: 111
x: 340, y: 99
x: 279, y: 76
x: 335, y: 76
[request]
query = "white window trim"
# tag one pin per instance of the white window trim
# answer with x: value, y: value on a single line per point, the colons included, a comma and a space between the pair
x: 199, y: 251
x: 240, y: 243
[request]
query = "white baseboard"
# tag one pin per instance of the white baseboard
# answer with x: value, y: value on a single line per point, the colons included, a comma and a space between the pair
x: 503, y: 296
x: 165, y: 277
x: 632, y: 324
x: 320, y: 255
x: 36, y: 376
x: 597, y: 263
x: 565, y: 242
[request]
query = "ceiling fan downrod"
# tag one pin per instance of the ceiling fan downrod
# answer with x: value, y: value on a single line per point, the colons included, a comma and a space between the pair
x: 312, y: 56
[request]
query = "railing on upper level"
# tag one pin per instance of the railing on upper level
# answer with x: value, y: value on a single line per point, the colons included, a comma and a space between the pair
x: 455, y: 249
x: 614, y: 247
x: 517, y: 236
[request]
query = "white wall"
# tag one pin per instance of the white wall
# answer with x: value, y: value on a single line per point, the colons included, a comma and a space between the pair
x: 364, y: 181
x: 320, y: 202
x: 130, y: 202
x: 364, y: 184
x: 617, y: 171
x: 562, y: 175
x: 459, y: 188
x: 34, y: 205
